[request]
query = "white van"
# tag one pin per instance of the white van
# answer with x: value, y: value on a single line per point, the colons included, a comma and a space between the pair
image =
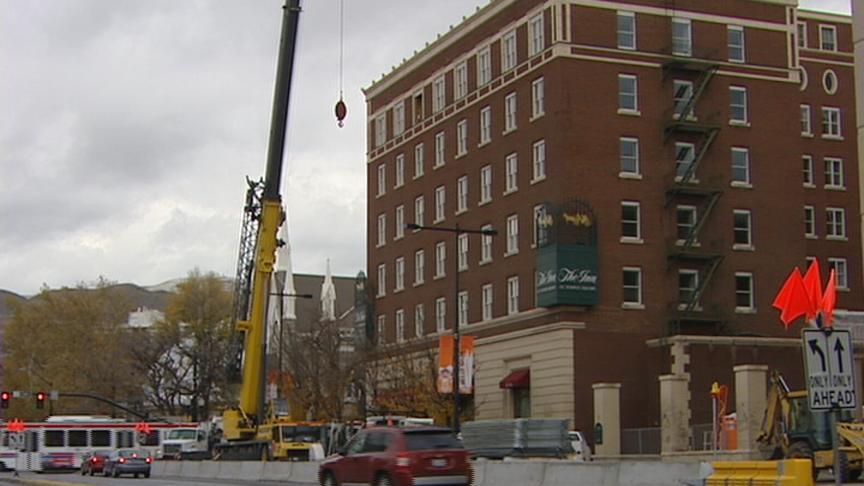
x: 581, y: 449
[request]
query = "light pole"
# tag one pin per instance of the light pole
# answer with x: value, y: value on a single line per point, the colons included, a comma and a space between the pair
x: 457, y: 356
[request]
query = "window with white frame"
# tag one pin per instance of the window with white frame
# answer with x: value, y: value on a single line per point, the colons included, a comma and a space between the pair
x: 744, y: 300
x: 462, y: 137
x: 807, y: 162
x: 485, y: 125
x: 400, y: 325
x: 440, y: 197
x: 460, y: 80
x: 809, y: 222
x: 438, y: 94
x: 439, y: 149
x: 631, y: 291
x: 685, y: 222
x: 630, y: 221
x: 834, y: 173
x: 380, y: 130
x: 685, y: 154
x: 486, y: 184
x: 830, y: 122
x: 740, y: 166
x: 735, y: 41
x: 628, y: 155
x: 512, y: 295
x: 440, y: 259
x: 463, y: 251
x: 419, y: 267
x: 738, y: 105
x: 400, y: 222
x: 801, y: 29
x: 538, y: 160
x: 628, y: 93
x: 508, y: 51
x: 835, y: 219
x: 382, y: 179
x: 418, y: 161
x: 462, y: 194
x: 419, y: 210
x: 537, y: 43
x: 486, y: 245
x: 806, y: 126
x: 399, y: 276
x: 418, y: 107
x: 539, y: 222
x: 440, y: 314
x: 382, y: 280
x: 510, y: 112
x: 382, y: 229
x: 511, y: 167
x: 484, y: 67
x: 742, y: 229
x: 828, y: 37
x: 538, y: 98
x: 419, y: 320
x: 688, y: 282
x: 840, y: 269
x: 682, y: 94
x: 682, y: 37
x: 382, y: 328
x: 399, y: 118
x: 626, y: 30
x: 463, y: 308
x: 486, y: 301
x: 400, y: 170
x: 512, y: 234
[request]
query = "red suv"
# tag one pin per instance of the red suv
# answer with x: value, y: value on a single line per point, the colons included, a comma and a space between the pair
x: 385, y: 456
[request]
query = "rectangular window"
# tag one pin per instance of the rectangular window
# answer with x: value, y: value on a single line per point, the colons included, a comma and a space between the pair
x: 382, y: 280
x: 744, y: 292
x: 738, y: 104
x: 839, y: 267
x: 419, y: 267
x: 511, y: 167
x: 836, y: 223
x: 801, y: 28
x: 400, y: 274
x: 682, y: 38
x: 740, y: 166
x: 807, y: 161
x: 418, y: 161
x: 831, y: 122
x: 539, y: 161
x: 382, y: 328
x: 628, y: 155
x: 419, y: 211
x: 440, y: 195
x: 538, y: 101
x: 486, y: 245
x: 460, y: 80
x: 463, y: 252
x: 400, y: 222
x: 809, y: 222
x: 626, y: 30
x: 100, y: 438
x: 418, y: 107
x: 382, y: 179
x: 485, y: 125
x: 400, y: 170
x: 440, y: 314
x: 539, y: 224
x: 685, y: 154
x: 419, y: 320
x: 688, y: 282
x: 512, y: 234
x: 735, y: 36
x: 400, y: 325
x: 438, y: 94
x: 463, y: 308
x: 682, y: 96
x: 484, y: 67
x: 462, y: 137
x: 440, y: 259
x: 631, y: 278
x: 512, y: 295
x: 399, y: 118
x: 462, y: 194
x: 382, y: 229
x: 55, y: 438
x: 380, y: 130
x: 685, y: 222
x: 508, y: 51
x: 806, y: 127
x: 828, y: 38
x: 439, y: 149
x: 537, y: 35
x: 834, y: 173
x: 486, y: 184
x: 627, y: 93
x: 742, y: 229
x: 630, y: 221
x: 510, y: 112
x: 486, y: 297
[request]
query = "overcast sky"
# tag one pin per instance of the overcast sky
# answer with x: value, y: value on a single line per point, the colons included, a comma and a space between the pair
x: 128, y: 127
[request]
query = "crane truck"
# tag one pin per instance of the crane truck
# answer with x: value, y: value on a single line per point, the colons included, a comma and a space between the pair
x: 248, y: 431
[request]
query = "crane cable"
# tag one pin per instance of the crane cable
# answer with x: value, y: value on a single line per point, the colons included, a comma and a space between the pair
x: 341, y: 109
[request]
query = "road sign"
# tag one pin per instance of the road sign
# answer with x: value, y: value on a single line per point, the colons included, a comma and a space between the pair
x: 830, y: 369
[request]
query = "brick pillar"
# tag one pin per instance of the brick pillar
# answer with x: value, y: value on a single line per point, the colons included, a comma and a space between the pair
x: 607, y: 412
x: 674, y: 414
x: 751, y: 389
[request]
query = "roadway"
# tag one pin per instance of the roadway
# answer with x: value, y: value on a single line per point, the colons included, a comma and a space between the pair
x: 33, y: 479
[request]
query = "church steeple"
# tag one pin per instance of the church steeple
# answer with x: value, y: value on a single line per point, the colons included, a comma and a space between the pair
x: 328, y: 296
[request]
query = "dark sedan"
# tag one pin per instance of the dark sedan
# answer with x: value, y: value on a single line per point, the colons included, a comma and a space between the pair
x: 128, y: 461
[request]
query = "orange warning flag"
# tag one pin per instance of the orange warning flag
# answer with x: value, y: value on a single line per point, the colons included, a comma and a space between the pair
x: 792, y: 300
x: 829, y: 299
x: 813, y: 285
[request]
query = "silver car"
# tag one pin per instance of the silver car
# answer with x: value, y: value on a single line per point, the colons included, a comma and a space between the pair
x: 128, y: 461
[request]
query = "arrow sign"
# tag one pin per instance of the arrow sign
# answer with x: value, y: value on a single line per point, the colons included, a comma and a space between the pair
x: 830, y: 374
x: 815, y: 348
x: 838, y: 347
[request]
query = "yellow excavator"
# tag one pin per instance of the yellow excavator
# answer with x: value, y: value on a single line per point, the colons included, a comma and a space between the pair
x: 791, y: 430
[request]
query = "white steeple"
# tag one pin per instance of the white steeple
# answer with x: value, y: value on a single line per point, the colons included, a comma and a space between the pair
x: 283, y: 263
x: 328, y: 296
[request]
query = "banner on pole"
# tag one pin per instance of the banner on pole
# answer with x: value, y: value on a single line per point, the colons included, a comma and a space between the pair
x: 446, y: 352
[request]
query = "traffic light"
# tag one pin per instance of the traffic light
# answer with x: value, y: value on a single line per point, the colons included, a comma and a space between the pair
x: 4, y: 399
x: 40, y: 399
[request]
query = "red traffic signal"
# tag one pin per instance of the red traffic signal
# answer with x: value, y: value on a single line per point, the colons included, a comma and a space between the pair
x: 40, y: 399
x: 4, y: 399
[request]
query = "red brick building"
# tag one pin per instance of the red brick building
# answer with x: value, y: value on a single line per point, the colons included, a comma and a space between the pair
x: 709, y: 147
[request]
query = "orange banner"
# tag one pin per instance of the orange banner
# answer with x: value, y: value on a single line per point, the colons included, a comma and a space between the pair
x: 445, y: 364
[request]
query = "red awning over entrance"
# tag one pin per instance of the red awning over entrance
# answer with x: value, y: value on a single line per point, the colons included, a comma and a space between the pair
x: 516, y: 379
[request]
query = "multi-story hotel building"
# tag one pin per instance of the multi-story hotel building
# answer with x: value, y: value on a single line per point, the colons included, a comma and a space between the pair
x: 654, y: 170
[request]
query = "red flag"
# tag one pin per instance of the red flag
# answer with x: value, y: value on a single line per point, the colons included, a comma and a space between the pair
x: 829, y: 299
x: 813, y: 285
x: 792, y: 300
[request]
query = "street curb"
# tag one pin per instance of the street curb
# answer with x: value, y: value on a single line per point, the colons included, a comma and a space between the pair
x: 40, y: 482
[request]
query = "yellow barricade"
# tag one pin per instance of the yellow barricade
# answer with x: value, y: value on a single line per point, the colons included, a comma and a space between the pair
x: 791, y: 472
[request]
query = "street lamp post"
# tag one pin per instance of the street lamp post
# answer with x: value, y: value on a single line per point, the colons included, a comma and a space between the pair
x: 457, y: 231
